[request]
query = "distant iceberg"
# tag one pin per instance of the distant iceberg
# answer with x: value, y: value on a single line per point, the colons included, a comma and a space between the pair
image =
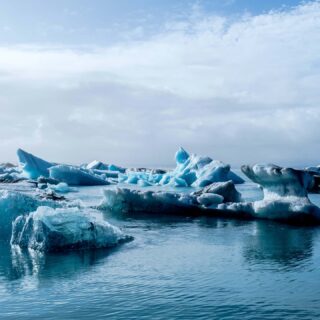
x: 32, y: 166
x: 49, y: 229
x: 315, y: 172
x: 98, y: 165
x: 191, y: 170
x: 75, y: 176
x: 38, y: 169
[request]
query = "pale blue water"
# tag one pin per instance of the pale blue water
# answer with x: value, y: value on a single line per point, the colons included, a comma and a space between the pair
x: 176, y: 268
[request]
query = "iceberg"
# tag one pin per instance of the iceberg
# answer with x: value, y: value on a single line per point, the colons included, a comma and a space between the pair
x: 32, y: 166
x: 48, y: 172
x: 49, y: 229
x: 163, y: 202
x: 285, y: 193
x: 191, y: 171
x: 75, y: 176
x: 98, y: 165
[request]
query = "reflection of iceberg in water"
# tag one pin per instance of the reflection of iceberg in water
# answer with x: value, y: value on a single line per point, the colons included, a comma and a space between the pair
x: 16, y: 263
x: 288, y: 247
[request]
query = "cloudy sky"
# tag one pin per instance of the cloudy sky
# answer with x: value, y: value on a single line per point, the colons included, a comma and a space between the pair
x: 129, y: 81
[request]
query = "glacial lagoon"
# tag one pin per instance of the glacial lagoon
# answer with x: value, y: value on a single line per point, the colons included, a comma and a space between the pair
x: 176, y: 268
x: 120, y: 250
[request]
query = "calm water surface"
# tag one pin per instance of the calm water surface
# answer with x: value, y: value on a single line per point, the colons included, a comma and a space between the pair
x: 176, y: 268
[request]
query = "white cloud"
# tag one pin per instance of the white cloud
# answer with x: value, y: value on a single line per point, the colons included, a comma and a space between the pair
x: 243, y: 90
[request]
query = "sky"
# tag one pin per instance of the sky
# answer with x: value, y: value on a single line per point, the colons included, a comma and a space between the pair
x: 129, y: 81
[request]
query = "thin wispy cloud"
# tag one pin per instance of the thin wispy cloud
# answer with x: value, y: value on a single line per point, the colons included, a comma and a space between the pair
x: 241, y: 89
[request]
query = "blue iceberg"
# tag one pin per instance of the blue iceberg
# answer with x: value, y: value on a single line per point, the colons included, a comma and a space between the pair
x: 191, y: 171
x: 39, y: 169
x: 75, y: 176
x: 49, y: 229
x: 32, y: 166
x: 98, y: 165
x: 13, y: 204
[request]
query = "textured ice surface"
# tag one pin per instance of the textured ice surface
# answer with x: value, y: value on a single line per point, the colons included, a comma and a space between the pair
x: 191, y: 170
x: 32, y: 166
x: 128, y: 200
x: 315, y: 172
x: 13, y: 204
x: 279, y: 181
x: 98, y: 165
x: 49, y: 229
x: 75, y: 176
x: 61, y: 187
x: 285, y: 193
x: 285, y: 198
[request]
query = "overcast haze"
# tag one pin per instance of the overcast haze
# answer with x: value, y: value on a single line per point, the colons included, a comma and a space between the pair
x: 128, y: 82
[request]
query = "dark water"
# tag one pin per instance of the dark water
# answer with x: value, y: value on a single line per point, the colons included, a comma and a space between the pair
x: 177, y: 268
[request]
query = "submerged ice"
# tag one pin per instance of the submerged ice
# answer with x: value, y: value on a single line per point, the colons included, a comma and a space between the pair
x: 49, y: 229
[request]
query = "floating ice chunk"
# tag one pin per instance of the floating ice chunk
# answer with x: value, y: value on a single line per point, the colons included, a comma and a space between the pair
x: 13, y: 204
x: 191, y: 170
x: 201, y: 171
x: 61, y: 187
x: 74, y: 176
x: 285, y: 198
x: 98, y: 165
x: 285, y: 193
x: 49, y: 229
x: 127, y: 200
x: 32, y: 166
x: 279, y: 181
